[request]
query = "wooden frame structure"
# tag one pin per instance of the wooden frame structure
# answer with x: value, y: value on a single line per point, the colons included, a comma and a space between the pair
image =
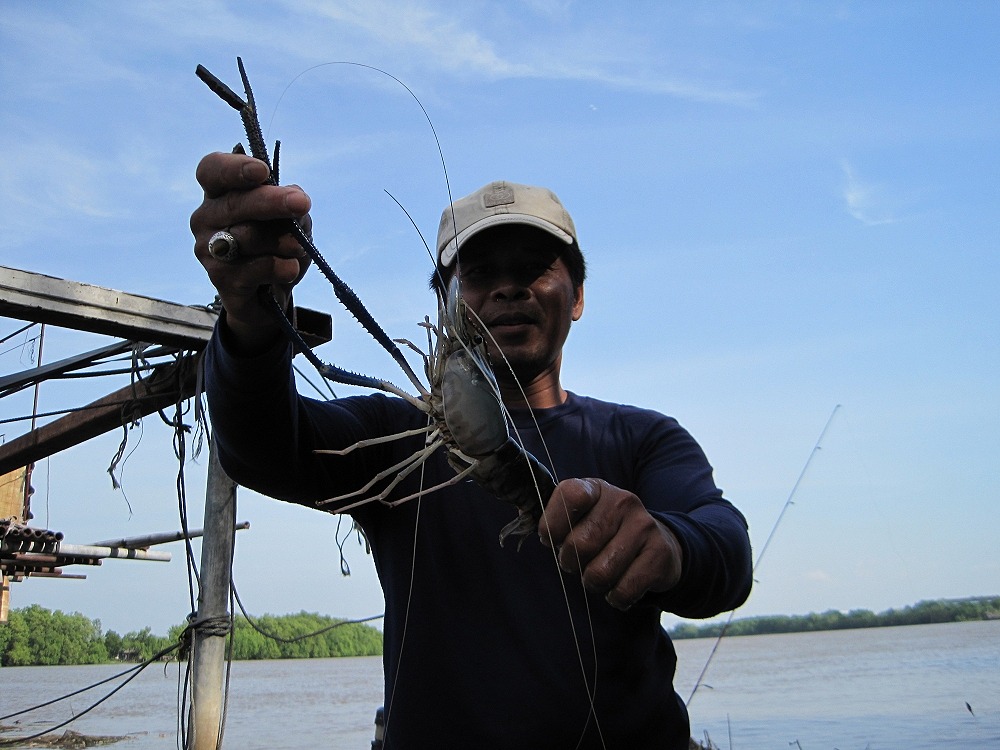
x: 140, y: 322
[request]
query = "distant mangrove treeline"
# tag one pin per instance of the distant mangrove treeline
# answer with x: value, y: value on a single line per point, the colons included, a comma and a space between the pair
x: 921, y: 613
x: 35, y: 636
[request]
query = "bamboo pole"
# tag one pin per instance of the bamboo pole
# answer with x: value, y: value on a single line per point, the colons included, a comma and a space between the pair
x: 208, y: 650
x: 165, y: 537
x: 86, y: 550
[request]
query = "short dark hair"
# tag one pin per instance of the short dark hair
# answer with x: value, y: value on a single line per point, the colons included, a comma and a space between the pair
x: 571, y: 254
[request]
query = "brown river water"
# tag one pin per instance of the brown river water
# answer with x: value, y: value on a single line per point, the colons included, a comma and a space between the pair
x: 879, y: 688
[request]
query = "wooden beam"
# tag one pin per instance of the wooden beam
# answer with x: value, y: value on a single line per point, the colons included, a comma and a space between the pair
x: 71, y: 304
x: 45, y: 299
x: 161, y: 388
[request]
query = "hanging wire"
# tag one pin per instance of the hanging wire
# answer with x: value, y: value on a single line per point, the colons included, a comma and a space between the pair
x: 256, y: 626
x: 9, y: 336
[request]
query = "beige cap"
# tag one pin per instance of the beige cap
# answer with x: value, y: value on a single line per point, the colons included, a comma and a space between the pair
x: 497, y: 203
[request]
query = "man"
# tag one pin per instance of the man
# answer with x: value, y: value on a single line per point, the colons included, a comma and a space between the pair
x: 553, y: 645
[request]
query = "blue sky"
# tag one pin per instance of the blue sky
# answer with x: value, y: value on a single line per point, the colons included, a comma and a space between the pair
x: 784, y: 206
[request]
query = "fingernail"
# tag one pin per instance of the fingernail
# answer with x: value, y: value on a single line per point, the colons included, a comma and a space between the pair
x: 254, y: 171
x: 296, y: 202
x: 620, y: 606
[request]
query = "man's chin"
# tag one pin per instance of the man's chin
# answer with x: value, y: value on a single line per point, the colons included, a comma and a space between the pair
x: 514, y: 367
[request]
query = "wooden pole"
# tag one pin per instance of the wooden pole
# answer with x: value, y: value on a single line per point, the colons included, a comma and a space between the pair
x: 208, y: 650
x: 13, y: 488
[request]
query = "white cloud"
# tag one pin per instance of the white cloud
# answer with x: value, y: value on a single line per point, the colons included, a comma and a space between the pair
x: 440, y: 38
x: 72, y: 52
x: 818, y: 576
x: 866, y: 202
x: 454, y: 43
x: 666, y: 86
x: 55, y: 180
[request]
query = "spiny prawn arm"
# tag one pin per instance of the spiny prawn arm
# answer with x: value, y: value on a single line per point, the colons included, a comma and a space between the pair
x: 247, y: 110
x: 328, y: 371
x: 354, y: 306
x: 258, y: 149
x: 251, y: 123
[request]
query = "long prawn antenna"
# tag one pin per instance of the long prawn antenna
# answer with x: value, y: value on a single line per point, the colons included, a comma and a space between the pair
x: 430, y: 123
x: 767, y: 543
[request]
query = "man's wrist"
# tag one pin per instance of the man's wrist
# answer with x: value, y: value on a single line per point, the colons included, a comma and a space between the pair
x: 242, y: 339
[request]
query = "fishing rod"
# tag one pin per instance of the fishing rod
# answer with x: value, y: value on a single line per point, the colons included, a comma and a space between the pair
x: 767, y: 542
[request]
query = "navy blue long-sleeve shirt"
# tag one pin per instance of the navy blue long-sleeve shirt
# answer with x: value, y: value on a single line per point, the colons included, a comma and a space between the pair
x: 501, y: 650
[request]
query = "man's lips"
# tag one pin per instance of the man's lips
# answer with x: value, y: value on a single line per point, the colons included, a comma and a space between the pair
x: 510, y: 320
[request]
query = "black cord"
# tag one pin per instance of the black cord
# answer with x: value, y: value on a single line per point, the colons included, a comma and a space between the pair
x: 137, y: 670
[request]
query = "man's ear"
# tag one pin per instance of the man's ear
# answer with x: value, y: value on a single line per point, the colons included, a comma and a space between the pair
x: 578, y: 303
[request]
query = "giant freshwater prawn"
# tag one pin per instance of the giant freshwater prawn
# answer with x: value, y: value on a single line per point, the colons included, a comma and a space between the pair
x: 461, y: 399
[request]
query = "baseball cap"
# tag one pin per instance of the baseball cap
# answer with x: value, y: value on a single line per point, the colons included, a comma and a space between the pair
x: 501, y: 202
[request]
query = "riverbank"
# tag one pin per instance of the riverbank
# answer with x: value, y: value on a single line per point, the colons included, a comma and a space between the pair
x: 35, y: 636
x: 930, y: 612
x: 68, y: 739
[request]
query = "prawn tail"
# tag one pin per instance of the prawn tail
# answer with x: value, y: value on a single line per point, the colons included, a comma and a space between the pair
x: 515, y: 476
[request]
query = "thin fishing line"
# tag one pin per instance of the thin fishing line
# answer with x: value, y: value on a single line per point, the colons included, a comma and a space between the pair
x: 767, y: 543
x: 591, y: 690
x: 409, y: 601
x: 330, y: 392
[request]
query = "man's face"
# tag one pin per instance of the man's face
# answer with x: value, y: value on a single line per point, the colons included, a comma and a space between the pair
x: 514, y: 279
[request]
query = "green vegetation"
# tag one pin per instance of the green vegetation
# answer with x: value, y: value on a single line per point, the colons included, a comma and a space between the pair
x: 288, y: 638
x: 922, y: 613
x: 35, y: 636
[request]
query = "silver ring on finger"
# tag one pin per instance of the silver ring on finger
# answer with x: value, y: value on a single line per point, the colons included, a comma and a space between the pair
x: 224, y: 247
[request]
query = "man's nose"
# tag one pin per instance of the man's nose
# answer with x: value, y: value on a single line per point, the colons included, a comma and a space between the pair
x: 509, y: 287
